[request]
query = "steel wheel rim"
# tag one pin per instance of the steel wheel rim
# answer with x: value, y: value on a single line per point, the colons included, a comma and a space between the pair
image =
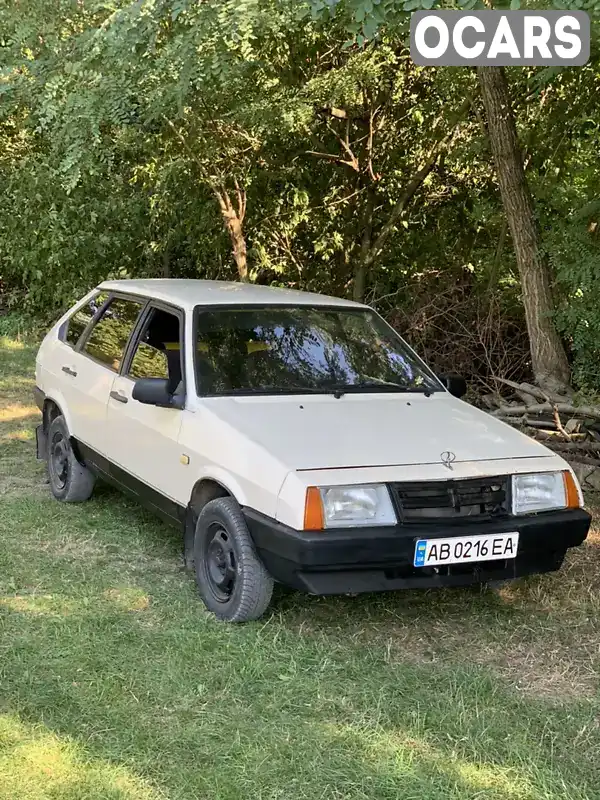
x: 220, y: 563
x: 59, y: 460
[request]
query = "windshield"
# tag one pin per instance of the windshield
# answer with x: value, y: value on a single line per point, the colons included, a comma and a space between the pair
x: 301, y: 350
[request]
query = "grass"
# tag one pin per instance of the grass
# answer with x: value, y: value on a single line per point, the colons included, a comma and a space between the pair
x: 115, y: 684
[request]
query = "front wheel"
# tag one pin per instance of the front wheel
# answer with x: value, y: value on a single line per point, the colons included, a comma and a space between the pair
x: 231, y: 579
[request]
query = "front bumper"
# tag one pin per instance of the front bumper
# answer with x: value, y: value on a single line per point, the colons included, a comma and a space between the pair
x: 353, y: 560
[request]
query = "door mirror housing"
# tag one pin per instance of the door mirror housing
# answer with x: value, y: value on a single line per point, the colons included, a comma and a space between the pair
x: 455, y: 384
x: 156, y: 392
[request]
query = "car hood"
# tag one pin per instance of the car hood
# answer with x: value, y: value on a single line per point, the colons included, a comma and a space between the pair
x: 370, y: 430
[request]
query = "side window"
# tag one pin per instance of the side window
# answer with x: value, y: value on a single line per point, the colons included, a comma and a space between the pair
x: 158, y: 353
x: 148, y: 362
x: 79, y: 321
x: 108, y: 338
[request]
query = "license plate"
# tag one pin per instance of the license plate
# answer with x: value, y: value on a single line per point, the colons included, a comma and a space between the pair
x: 462, y: 549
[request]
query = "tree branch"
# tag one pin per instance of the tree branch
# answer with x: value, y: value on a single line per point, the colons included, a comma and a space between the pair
x: 540, y: 408
x: 332, y: 157
x: 416, y: 182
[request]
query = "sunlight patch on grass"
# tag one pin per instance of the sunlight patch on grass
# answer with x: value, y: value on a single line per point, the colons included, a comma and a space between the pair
x: 58, y: 605
x: 7, y: 343
x: 40, y: 605
x: 411, y: 755
x: 16, y: 411
x: 492, y: 781
x: 128, y: 599
x: 405, y: 754
x: 594, y: 537
x: 17, y: 436
x: 36, y: 764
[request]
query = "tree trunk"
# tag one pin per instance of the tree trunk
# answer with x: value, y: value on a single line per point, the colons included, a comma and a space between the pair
x: 362, y: 265
x: 234, y: 219
x: 548, y: 357
x: 234, y: 226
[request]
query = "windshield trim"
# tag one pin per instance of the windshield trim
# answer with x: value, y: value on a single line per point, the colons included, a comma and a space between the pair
x: 342, y: 309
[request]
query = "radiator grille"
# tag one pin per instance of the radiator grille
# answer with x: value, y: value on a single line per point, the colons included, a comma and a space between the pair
x: 454, y: 500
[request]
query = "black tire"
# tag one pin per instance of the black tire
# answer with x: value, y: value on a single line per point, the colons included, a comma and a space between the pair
x: 70, y: 481
x: 231, y: 579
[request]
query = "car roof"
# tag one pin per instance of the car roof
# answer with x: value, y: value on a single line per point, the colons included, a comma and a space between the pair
x: 188, y: 293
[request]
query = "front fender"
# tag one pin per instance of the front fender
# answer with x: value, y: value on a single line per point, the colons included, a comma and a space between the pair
x: 225, y: 479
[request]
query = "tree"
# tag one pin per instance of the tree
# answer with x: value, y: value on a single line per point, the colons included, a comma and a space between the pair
x: 549, y: 361
x: 548, y: 356
x: 249, y: 138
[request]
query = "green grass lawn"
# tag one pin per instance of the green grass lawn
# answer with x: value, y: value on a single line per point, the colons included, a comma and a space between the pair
x: 116, y: 684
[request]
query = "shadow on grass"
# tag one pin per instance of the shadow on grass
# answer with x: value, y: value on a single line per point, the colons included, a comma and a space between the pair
x: 106, y: 644
x: 114, y: 677
x: 142, y: 679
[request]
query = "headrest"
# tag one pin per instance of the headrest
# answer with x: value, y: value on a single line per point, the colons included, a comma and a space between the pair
x: 257, y: 347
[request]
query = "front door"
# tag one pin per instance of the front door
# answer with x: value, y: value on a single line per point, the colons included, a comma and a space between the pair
x: 143, y: 438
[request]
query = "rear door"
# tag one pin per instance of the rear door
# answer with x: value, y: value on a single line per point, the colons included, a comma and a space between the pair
x: 90, y: 367
x: 143, y: 438
x: 56, y: 359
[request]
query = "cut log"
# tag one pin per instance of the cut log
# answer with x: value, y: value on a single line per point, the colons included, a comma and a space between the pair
x: 542, y: 408
x: 577, y: 447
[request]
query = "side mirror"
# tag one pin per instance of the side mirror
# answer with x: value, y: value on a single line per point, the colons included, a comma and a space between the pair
x: 456, y: 385
x: 156, y: 392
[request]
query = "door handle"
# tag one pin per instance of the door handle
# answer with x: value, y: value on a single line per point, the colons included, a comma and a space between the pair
x: 120, y: 398
x: 69, y: 371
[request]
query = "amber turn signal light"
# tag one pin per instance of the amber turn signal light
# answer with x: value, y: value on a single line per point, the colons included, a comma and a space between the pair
x: 571, y: 492
x: 313, y: 510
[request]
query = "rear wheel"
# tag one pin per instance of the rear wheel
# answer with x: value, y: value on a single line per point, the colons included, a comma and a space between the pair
x: 70, y: 481
x: 231, y: 579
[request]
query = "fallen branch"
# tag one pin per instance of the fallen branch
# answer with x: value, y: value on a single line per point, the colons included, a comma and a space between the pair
x: 559, y: 425
x: 541, y: 408
x: 543, y: 434
x: 584, y: 447
x: 523, y: 388
x: 534, y: 391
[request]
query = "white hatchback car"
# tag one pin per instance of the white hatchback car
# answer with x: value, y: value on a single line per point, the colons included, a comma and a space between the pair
x: 294, y: 438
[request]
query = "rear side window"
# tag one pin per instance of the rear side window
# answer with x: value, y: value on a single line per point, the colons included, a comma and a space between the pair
x: 108, y: 338
x: 79, y: 321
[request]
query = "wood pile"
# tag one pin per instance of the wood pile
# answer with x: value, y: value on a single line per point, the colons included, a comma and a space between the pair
x: 571, y: 430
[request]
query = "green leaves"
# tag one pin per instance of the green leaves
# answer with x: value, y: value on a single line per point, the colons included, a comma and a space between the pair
x: 118, y: 128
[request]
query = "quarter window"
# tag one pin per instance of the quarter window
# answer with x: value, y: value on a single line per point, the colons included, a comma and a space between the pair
x: 79, y: 321
x: 108, y: 338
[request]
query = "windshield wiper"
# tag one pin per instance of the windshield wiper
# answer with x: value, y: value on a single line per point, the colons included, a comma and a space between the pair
x: 338, y: 390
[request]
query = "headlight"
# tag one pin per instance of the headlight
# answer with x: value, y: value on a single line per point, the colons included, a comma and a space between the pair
x: 543, y: 491
x: 348, y: 506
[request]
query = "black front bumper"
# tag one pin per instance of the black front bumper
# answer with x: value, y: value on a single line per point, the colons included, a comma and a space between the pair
x: 350, y: 560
